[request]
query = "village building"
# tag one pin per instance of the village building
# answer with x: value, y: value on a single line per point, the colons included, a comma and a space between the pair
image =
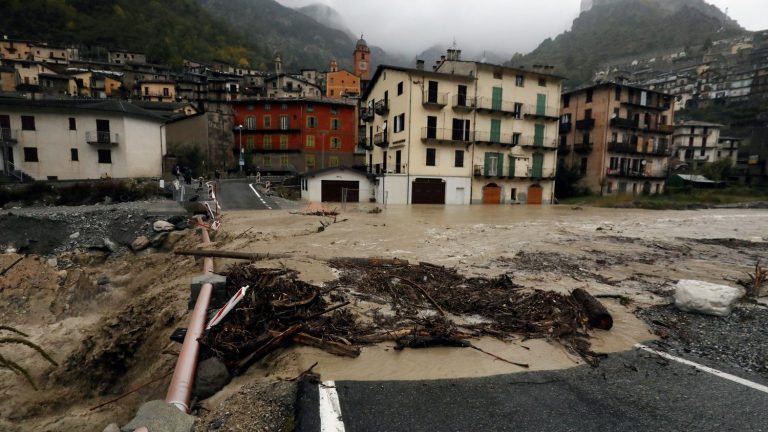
x: 464, y: 132
x: 123, y: 57
x: 77, y: 140
x: 341, y: 84
x: 157, y: 90
x: 336, y: 184
x: 289, y: 136
x: 697, y: 143
x: 617, y: 137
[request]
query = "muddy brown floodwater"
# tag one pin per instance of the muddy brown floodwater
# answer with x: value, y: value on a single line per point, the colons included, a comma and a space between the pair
x: 100, y: 314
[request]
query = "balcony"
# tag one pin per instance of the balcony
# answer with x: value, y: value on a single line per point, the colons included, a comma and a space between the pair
x: 464, y: 103
x: 537, y: 174
x: 499, y: 106
x: 381, y: 139
x: 565, y: 128
x: 639, y: 173
x: 583, y: 148
x: 9, y: 136
x: 381, y: 107
x: 623, y: 123
x: 268, y: 130
x: 364, y: 143
x: 101, y: 138
x: 446, y: 135
x: 630, y: 148
x: 660, y: 128
x: 434, y: 100
x: 366, y: 115
x: 538, y: 143
x: 542, y: 112
x: 586, y: 124
x: 563, y: 149
x: 492, y: 171
x: 504, y: 140
x: 658, y: 106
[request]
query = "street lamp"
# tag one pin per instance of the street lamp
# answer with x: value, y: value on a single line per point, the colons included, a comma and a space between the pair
x: 241, y: 161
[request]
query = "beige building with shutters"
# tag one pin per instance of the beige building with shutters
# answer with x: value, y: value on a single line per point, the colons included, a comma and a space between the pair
x: 462, y: 133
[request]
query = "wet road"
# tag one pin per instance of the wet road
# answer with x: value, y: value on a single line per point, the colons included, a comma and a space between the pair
x: 243, y: 195
x: 635, y: 390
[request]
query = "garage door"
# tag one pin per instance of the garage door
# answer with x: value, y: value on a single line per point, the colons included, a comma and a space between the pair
x: 428, y: 191
x: 492, y: 194
x: 332, y: 190
x: 535, y: 195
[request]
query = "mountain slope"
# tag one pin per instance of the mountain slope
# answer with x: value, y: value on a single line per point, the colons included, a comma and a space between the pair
x: 167, y: 30
x: 619, y: 28
x: 326, y: 16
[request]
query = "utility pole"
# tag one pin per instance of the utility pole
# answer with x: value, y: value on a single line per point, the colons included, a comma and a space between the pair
x: 241, y: 160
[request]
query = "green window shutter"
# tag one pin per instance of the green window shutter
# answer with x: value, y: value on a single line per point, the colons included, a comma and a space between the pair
x: 499, y: 164
x: 541, y: 104
x: 496, y: 100
x: 511, y: 166
x: 538, y: 165
x: 495, y: 130
x: 538, y: 137
x: 487, y: 166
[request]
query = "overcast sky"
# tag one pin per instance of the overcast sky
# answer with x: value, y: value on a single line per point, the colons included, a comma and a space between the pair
x: 503, y: 26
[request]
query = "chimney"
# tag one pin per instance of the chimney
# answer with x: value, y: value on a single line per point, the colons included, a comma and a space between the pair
x: 419, y: 64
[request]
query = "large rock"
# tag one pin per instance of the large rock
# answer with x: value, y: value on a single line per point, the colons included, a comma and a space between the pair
x: 110, y: 245
x: 211, y: 377
x: 140, y: 244
x: 159, y: 416
x: 706, y: 298
x: 163, y: 226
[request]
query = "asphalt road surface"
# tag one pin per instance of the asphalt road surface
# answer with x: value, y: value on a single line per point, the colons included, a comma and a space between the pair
x: 633, y: 391
x: 243, y: 195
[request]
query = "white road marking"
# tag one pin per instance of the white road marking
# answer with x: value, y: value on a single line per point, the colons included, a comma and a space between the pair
x: 258, y: 195
x: 721, y: 374
x: 330, y: 408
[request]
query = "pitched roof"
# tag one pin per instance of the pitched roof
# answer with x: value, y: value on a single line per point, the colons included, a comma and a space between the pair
x: 71, y: 105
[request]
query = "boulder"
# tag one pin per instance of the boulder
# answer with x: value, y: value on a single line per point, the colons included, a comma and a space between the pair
x: 212, y: 376
x: 110, y: 245
x: 140, y: 244
x: 74, y: 236
x: 706, y: 298
x: 163, y: 226
x: 159, y: 416
x: 112, y: 427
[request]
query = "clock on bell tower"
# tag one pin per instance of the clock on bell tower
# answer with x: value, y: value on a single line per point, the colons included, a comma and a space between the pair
x: 362, y: 57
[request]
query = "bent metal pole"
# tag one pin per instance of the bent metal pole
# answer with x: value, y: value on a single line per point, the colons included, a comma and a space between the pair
x: 180, y: 390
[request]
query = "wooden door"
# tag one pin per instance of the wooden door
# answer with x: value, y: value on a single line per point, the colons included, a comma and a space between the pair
x: 535, y: 195
x: 492, y: 194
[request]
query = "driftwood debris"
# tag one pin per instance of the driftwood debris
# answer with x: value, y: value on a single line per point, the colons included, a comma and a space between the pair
x: 335, y: 348
x: 13, y: 264
x: 274, y: 343
x: 598, y: 315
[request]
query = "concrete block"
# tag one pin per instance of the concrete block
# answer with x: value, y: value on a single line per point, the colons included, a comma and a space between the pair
x: 218, y: 297
x: 706, y: 298
x: 159, y: 416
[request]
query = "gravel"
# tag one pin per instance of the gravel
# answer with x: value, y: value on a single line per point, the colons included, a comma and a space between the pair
x: 736, y: 340
x: 261, y: 406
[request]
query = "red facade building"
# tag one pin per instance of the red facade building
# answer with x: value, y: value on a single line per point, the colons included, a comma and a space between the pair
x: 287, y: 136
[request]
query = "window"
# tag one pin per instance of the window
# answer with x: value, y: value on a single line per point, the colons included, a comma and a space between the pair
x: 583, y: 167
x: 146, y: 91
x: 334, y: 110
x: 617, y: 95
x: 400, y: 123
x: 73, y: 156
x: 267, y: 122
x: 266, y: 142
x: 283, y: 142
x: 250, y: 141
x: 285, y: 122
x: 310, y: 141
x: 335, y: 142
x: 284, y: 162
x: 105, y: 156
x: 589, y: 95
x: 565, y: 119
x: 459, y: 159
x: 310, y: 161
x: 335, y: 124
x: 267, y: 161
x: 30, y: 154
x: 267, y: 107
x: 399, y: 88
x: 284, y: 106
x: 72, y: 123
x: 310, y: 108
x: 518, y: 110
x: 431, y: 157
x: 566, y: 101
x: 460, y: 131
x: 250, y: 122
x: 498, y: 74
x: 542, y: 82
x: 333, y: 162
x: 166, y: 93
x: 520, y: 81
x: 588, y: 114
x: 516, y: 138
x: 311, y: 122
x: 27, y: 123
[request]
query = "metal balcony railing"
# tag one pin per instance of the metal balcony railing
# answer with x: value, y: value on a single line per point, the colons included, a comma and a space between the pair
x: 548, y: 112
x: 102, y: 138
x: 381, y: 139
x: 638, y: 173
x: 565, y: 128
x: 583, y: 147
x: 463, y: 102
x: 623, y: 123
x: 538, y: 142
x: 433, y: 99
x: 366, y: 114
x: 585, y: 124
x: 381, y: 107
x: 506, y: 107
x: 482, y: 137
x: 446, y: 135
x: 9, y: 136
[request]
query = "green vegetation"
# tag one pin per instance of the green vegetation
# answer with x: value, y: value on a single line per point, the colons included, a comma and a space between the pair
x: 166, y: 30
x: 624, y: 29
x: 566, y: 183
x: 677, y: 200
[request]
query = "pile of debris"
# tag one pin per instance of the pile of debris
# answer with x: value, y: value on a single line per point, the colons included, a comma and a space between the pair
x: 431, y: 306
